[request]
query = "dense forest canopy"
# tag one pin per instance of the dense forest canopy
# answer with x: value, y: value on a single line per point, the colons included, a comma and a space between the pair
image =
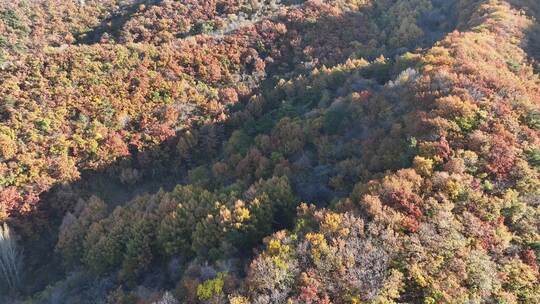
x: 269, y: 151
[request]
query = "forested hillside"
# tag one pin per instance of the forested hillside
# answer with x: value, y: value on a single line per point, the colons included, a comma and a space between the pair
x: 269, y: 151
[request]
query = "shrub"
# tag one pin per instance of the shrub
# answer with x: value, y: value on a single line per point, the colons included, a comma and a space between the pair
x: 533, y: 120
x: 533, y: 157
x: 211, y: 288
x: 12, y: 20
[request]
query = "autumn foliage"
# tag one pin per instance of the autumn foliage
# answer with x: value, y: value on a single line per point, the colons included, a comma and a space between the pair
x: 332, y: 151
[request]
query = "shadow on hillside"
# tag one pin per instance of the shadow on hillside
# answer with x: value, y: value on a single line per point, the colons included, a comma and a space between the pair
x: 113, y: 24
x: 163, y: 167
x: 531, y: 44
x: 159, y: 168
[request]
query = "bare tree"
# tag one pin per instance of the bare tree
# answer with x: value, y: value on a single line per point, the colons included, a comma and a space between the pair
x: 167, y: 298
x: 10, y: 258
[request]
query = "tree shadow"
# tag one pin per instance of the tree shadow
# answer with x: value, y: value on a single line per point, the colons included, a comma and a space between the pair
x: 113, y: 24
x: 358, y: 34
x: 531, y: 43
x: 533, y: 46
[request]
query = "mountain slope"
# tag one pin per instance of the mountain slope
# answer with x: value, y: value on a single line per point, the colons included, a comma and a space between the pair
x: 315, y: 152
